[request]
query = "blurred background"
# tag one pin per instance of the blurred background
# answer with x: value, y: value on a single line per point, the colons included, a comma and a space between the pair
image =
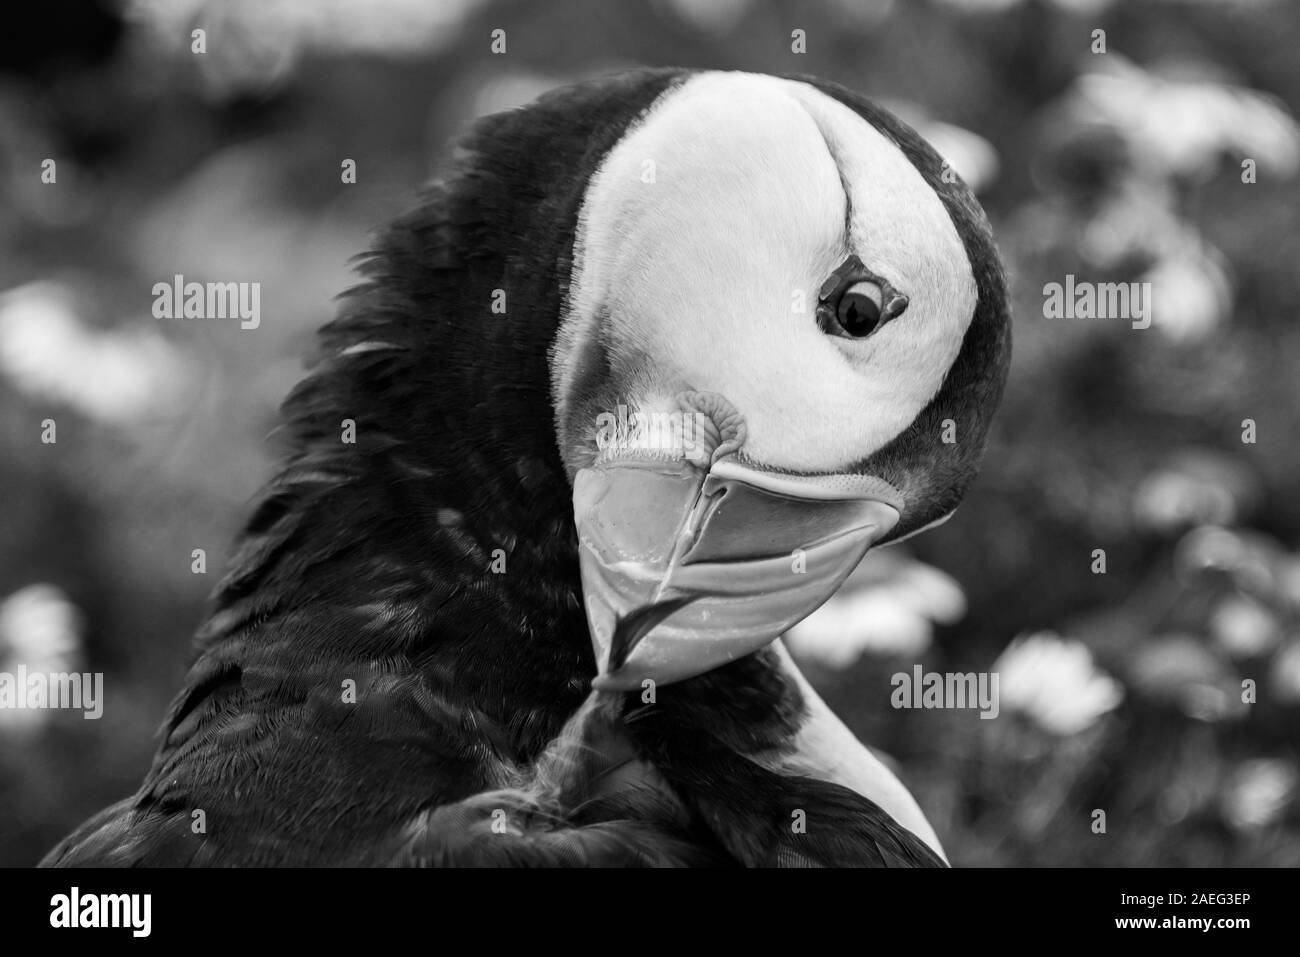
x: 1120, y: 691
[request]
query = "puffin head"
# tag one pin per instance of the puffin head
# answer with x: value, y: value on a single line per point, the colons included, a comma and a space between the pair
x: 783, y: 338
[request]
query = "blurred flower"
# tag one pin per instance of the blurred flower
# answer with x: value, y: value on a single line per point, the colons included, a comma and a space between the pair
x: 1196, y: 487
x: 1284, y: 679
x: 887, y: 607
x: 246, y: 30
x: 1082, y: 7
x: 1244, y: 627
x: 1258, y: 792
x: 1184, y: 124
x: 1000, y: 6
x: 1135, y: 219
x: 40, y: 629
x: 972, y: 156
x: 1055, y: 682
x: 711, y: 16
x: 1190, y: 294
x: 503, y: 90
x: 1247, y: 558
x: 1181, y: 670
x: 49, y: 353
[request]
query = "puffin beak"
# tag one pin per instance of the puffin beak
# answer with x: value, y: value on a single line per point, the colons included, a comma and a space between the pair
x: 685, y: 568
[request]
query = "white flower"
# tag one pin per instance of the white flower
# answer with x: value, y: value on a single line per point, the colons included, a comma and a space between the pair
x: 888, y: 607
x: 1054, y: 681
x: 970, y: 155
x: 1191, y: 293
x: 1258, y: 792
x: 49, y: 352
x: 1243, y: 626
x: 41, y: 628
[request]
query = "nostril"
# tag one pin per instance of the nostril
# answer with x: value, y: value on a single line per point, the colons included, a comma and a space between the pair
x: 719, y: 427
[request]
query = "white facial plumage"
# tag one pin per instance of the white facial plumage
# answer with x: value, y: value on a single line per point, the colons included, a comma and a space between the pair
x: 704, y: 238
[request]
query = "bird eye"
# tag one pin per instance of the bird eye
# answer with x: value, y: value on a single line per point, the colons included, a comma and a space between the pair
x: 854, y: 302
x: 859, y: 310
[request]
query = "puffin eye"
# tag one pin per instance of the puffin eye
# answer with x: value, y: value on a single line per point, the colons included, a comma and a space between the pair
x: 854, y: 302
x: 859, y: 310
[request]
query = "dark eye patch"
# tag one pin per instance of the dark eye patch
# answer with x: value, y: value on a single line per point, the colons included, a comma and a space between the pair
x: 832, y: 307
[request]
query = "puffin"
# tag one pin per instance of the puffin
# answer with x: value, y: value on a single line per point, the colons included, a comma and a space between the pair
x: 650, y: 365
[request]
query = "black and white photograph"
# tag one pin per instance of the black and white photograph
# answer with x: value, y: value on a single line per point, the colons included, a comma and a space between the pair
x: 849, y: 434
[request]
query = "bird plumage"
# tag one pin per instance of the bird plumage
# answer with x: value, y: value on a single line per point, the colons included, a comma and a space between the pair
x: 472, y: 735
